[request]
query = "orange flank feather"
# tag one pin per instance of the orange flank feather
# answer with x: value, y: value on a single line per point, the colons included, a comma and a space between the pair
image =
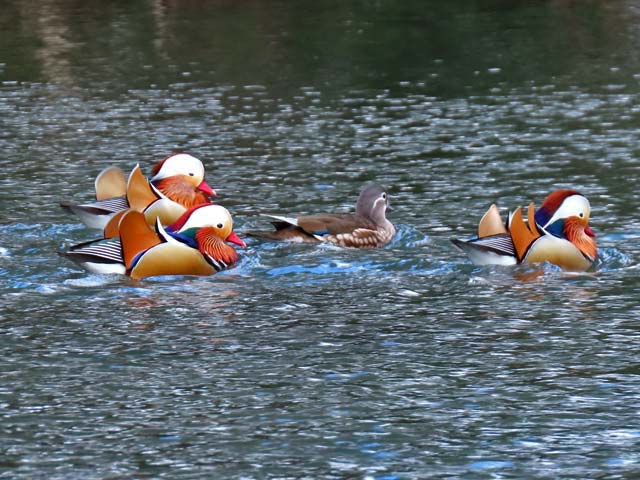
x: 574, y: 231
x: 111, y: 229
x: 531, y: 218
x: 180, y: 189
x: 136, y: 236
x: 210, y: 245
x: 521, y: 233
x: 139, y: 192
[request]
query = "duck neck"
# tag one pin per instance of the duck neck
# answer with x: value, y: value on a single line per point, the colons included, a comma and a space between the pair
x: 181, y: 191
x: 213, y: 247
x: 574, y: 231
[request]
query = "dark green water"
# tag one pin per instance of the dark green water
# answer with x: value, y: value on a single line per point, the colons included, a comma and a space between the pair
x: 318, y: 362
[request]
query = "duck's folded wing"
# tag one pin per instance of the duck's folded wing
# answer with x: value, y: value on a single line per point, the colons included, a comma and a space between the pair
x: 333, y: 224
x: 286, y: 230
x: 101, y: 207
x: 496, y: 249
x: 97, y: 250
x: 97, y: 214
x: 98, y: 256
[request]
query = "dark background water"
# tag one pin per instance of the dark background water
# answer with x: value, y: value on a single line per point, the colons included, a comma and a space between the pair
x: 319, y: 362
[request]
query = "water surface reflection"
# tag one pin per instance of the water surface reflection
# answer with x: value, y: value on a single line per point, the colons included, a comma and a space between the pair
x: 316, y: 361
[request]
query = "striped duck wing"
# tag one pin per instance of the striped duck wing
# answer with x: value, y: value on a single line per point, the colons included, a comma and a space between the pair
x: 110, y: 183
x: 492, y: 250
x: 101, y: 207
x: 96, y: 251
x: 523, y: 234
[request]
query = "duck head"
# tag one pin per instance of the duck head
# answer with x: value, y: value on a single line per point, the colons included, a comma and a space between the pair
x: 181, y: 174
x: 565, y: 214
x: 373, y: 203
x: 207, y: 220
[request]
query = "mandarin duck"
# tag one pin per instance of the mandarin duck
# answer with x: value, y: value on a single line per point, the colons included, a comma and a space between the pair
x: 193, y: 245
x: 367, y: 228
x: 558, y: 233
x: 176, y: 184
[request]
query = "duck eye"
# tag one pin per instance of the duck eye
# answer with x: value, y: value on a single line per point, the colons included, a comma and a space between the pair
x: 581, y: 214
x: 191, y: 174
x: 220, y: 225
x: 384, y: 195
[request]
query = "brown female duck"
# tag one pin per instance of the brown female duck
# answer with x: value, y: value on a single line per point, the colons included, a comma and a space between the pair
x: 367, y: 228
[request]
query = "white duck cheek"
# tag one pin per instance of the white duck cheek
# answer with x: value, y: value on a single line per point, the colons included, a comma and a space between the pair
x: 211, y: 215
x: 572, y: 206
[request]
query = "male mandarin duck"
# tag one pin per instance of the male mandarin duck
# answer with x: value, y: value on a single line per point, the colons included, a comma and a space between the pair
x: 194, y: 245
x: 367, y: 228
x: 557, y: 233
x: 176, y: 184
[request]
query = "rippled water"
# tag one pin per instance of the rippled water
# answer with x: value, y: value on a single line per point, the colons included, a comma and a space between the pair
x: 314, y: 361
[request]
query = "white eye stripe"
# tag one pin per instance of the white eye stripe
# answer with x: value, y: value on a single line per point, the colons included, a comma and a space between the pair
x: 180, y: 164
x: 210, y: 215
x: 575, y: 205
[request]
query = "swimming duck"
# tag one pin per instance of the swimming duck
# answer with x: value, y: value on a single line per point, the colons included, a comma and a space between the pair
x: 194, y: 245
x: 176, y: 184
x: 367, y: 228
x: 558, y: 232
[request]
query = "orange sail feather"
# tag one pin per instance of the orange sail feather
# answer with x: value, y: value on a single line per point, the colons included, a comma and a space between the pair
x: 136, y: 236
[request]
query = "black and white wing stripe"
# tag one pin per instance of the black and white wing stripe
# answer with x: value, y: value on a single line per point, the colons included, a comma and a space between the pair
x: 111, y: 205
x: 500, y: 244
x: 493, y: 250
x: 104, y: 251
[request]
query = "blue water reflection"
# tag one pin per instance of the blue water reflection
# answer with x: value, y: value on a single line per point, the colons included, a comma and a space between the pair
x: 311, y: 361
